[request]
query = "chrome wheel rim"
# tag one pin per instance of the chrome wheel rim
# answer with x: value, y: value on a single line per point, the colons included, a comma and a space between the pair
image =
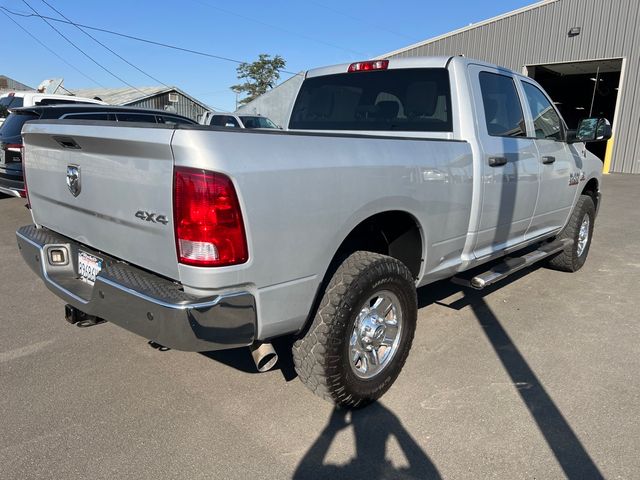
x: 376, y: 334
x: 583, y: 235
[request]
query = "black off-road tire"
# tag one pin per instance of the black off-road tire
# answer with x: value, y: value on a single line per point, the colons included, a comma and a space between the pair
x: 321, y: 356
x: 569, y: 260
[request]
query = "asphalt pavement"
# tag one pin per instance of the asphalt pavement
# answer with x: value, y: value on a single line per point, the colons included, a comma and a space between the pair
x: 535, y: 378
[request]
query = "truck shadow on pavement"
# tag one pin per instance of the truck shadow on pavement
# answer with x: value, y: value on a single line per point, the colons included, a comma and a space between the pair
x: 372, y: 427
x: 571, y: 455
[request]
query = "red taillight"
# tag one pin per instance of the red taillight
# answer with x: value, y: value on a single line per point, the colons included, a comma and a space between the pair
x: 13, y: 147
x: 369, y: 65
x: 208, y: 221
x: 25, y: 192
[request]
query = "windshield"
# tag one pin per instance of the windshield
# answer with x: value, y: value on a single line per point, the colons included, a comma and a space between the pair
x: 257, y: 122
x: 408, y: 99
x: 12, y: 126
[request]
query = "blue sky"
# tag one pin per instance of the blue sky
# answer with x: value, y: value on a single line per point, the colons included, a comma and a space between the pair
x: 306, y: 33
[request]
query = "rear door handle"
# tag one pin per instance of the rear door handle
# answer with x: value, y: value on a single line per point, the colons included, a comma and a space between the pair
x: 547, y: 160
x: 497, y: 161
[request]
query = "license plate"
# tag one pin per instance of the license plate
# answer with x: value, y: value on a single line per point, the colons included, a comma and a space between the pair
x: 2, y: 155
x: 88, y: 267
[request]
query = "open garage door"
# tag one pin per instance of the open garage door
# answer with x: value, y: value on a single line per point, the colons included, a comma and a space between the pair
x: 581, y: 89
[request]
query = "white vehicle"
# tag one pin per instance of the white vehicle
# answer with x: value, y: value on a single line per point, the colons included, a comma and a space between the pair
x: 231, y: 120
x: 29, y: 99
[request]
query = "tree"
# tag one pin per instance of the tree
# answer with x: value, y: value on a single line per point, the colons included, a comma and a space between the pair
x: 260, y: 76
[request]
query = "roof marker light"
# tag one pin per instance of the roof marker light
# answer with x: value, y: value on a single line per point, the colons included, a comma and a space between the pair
x: 368, y: 66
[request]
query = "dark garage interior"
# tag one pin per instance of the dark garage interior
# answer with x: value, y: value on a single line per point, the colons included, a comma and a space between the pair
x: 582, y: 89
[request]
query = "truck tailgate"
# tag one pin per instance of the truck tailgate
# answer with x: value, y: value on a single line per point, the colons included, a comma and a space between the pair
x: 124, y: 186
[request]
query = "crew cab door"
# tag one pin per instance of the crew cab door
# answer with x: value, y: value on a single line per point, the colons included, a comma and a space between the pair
x: 509, y: 161
x: 556, y: 163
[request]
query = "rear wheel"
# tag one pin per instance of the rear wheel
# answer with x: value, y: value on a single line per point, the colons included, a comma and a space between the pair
x: 362, y: 332
x: 580, y: 230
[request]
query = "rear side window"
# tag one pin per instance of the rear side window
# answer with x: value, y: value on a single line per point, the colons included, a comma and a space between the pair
x: 12, y: 102
x: 135, y: 117
x: 415, y: 100
x: 90, y: 116
x: 12, y: 126
x: 502, y: 109
x: 168, y: 120
x: 546, y: 120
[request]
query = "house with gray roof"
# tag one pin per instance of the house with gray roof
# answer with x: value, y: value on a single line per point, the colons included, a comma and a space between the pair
x: 159, y: 97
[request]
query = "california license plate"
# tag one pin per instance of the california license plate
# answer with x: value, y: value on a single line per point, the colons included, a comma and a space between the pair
x: 88, y: 267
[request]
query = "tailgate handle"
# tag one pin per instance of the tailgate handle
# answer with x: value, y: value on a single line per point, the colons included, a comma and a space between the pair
x: 67, y: 142
x: 497, y: 161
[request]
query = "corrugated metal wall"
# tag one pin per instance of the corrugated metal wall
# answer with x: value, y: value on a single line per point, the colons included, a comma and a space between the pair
x: 609, y: 29
x: 185, y: 105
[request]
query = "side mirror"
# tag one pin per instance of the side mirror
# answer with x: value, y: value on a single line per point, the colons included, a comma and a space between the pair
x: 593, y: 130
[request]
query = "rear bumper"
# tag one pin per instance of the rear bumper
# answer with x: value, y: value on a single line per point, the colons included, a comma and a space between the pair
x: 143, y: 303
x: 12, y: 187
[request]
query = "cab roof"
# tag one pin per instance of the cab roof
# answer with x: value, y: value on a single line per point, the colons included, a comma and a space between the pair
x: 408, y: 62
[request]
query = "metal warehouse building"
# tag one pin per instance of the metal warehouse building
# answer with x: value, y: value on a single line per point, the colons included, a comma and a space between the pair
x: 10, y: 85
x: 161, y: 98
x: 581, y: 51
x: 586, y: 53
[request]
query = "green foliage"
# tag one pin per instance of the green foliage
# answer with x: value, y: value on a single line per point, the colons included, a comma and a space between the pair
x: 260, y: 76
x: 4, y: 112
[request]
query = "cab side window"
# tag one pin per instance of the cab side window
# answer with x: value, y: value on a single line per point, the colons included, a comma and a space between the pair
x: 502, y: 109
x: 546, y: 120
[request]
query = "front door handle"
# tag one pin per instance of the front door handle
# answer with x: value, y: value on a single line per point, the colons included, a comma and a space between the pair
x: 497, y: 161
x: 548, y: 160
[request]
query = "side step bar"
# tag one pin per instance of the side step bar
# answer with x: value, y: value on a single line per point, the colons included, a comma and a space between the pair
x: 511, y: 265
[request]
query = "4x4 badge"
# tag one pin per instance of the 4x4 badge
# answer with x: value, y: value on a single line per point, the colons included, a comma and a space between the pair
x: 152, y: 217
x: 73, y: 179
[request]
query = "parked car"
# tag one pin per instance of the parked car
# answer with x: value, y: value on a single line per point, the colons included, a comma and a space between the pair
x: 393, y: 174
x: 232, y: 120
x: 13, y: 100
x: 11, y: 181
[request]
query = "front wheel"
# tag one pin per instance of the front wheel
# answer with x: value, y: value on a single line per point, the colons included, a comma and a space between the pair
x: 580, y: 230
x: 362, y: 332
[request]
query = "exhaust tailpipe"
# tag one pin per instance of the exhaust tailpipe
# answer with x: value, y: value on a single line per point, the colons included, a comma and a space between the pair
x: 264, y: 356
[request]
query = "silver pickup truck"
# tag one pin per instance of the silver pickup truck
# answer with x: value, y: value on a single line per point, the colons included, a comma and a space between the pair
x: 393, y: 174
